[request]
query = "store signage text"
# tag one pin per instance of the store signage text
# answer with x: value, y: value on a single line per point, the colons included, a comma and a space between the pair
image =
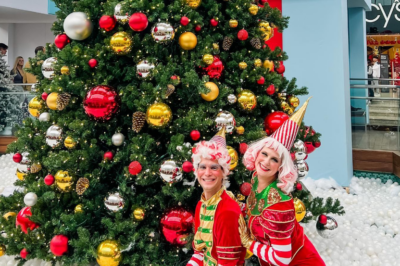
x: 379, y: 7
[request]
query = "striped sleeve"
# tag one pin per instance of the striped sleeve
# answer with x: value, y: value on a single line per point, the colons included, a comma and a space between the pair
x: 196, y: 260
x: 278, y: 254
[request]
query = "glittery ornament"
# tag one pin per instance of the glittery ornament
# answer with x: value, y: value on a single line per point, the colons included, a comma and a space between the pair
x: 120, y: 14
x: 101, y: 102
x: 114, y: 202
x: 54, y: 136
x: 162, y: 32
x: 64, y: 181
x: 121, y: 43
x: 247, y: 100
x: 48, y: 67
x: 109, y: 253
x: 170, y: 172
x: 225, y: 118
x: 232, y: 98
x: 144, y: 68
x: 158, y: 115
x: 176, y: 226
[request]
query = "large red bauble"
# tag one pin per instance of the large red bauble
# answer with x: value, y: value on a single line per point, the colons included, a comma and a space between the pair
x: 108, y: 156
x: 23, y: 220
x: 59, y: 245
x: 245, y: 188
x: 24, y: 253
x: 49, y: 180
x: 44, y: 96
x: 187, y: 167
x: 138, y: 22
x: 243, y: 148
x: 61, y: 41
x: 93, y: 63
x: 135, y: 168
x: 214, y: 70
x: 243, y: 35
x: 274, y: 120
x: 101, y: 103
x: 310, y: 147
x: 195, y: 135
x: 176, y: 226
x: 214, y: 22
x: 184, y: 21
x: 17, y: 157
x: 270, y: 90
x: 107, y: 22
x: 281, y: 68
x: 317, y: 144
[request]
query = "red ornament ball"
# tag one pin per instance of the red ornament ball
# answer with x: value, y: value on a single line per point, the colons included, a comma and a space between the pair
x: 214, y: 22
x: 281, y: 68
x: 61, y: 41
x: 93, y: 63
x: 243, y: 35
x: 101, y: 103
x: 195, y: 135
x: 299, y: 186
x: 138, y: 22
x: 107, y: 22
x: 24, y: 253
x: 214, y: 70
x: 59, y: 245
x: 184, y: 21
x: 270, y: 90
x: 245, y: 189
x: 317, y: 144
x: 310, y: 147
x: 261, y: 81
x: 274, y: 120
x: 108, y: 156
x: 17, y: 157
x: 187, y: 167
x: 243, y: 148
x: 323, y: 219
x: 49, y: 180
x: 176, y: 226
x: 23, y: 220
x: 44, y: 96
x: 135, y: 168
x: 197, y: 28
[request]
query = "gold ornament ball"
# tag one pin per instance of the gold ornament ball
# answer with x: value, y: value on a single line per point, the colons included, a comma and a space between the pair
x: 51, y: 100
x: 284, y: 105
x: 138, y: 214
x: 242, y: 65
x: 300, y: 209
x: 208, y: 59
x: 158, y: 115
x: 233, y: 23
x: 240, y: 130
x: 69, y: 143
x: 257, y: 63
x: 213, y: 94
x: 234, y: 157
x: 240, y: 197
x: 2, y: 250
x: 64, y: 181
x: 35, y: 106
x: 253, y: 9
x: 247, y: 100
x: 9, y: 214
x: 249, y: 254
x: 188, y: 41
x: 294, y: 101
x: 193, y: 3
x: 108, y: 253
x: 268, y: 64
x: 78, y: 208
x: 289, y: 110
x: 65, y: 70
x: 215, y: 47
x: 121, y: 43
x: 266, y: 29
x: 21, y: 175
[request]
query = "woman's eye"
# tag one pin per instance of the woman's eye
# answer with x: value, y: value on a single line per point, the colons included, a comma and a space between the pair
x: 275, y: 160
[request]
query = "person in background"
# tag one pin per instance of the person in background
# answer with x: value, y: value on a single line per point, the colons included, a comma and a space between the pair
x: 375, y: 71
x: 30, y: 78
x: 370, y: 91
x: 18, y: 71
x: 3, y: 49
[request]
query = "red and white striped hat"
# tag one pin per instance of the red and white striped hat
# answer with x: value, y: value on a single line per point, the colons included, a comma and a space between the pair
x: 287, y: 132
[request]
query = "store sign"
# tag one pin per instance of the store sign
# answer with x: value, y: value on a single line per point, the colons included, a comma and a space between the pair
x: 386, y: 13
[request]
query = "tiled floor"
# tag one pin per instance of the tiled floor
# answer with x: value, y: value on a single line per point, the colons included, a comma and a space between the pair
x: 376, y: 140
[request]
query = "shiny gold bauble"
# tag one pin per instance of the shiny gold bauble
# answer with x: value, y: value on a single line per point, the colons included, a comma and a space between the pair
x: 249, y: 254
x: 267, y: 30
x: 268, y: 64
x: 240, y: 197
x: 289, y: 110
x: 138, y: 214
x: 213, y: 94
x: 64, y: 181
x: 240, y: 130
x: 284, y: 105
x: 294, y: 101
x: 158, y: 115
x: 51, y: 100
x: 21, y: 175
x: 65, y: 70
x: 234, y: 157
x: 9, y: 214
x: 35, y: 106
x: 242, y: 65
x: 247, y: 100
x: 253, y: 9
x: 257, y: 63
x: 300, y: 209
x: 2, y: 250
x: 193, y: 3
x: 78, y: 208
x: 188, y: 41
x: 121, y: 43
x: 108, y: 253
x: 216, y: 46
x: 69, y: 143
x: 208, y: 59
x: 233, y: 23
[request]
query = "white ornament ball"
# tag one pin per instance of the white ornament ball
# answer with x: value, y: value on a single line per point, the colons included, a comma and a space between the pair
x: 77, y: 26
x: 118, y: 139
x: 48, y: 67
x: 44, y: 117
x: 30, y: 199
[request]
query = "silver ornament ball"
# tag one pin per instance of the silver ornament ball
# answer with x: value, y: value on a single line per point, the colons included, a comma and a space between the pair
x: 24, y: 164
x: 114, y: 202
x: 119, y: 14
x: 302, y: 168
x: 30, y: 199
x: 170, y: 172
x: 162, y: 32
x: 329, y: 229
x: 232, y: 98
x: 143, y: 69
x: 118, y: 139
x: 300, y: 150
x: 77, y: 26
x: 54, y: 136
x: 44, y: 117
x: 48, y: 67
x: 225, y: 118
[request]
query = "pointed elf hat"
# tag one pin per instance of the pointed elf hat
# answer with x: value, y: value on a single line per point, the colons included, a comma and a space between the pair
x: 287, y: 132
x: 219, y: 138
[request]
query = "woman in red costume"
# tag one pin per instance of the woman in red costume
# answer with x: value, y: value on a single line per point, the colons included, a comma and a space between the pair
x: 279, y: 238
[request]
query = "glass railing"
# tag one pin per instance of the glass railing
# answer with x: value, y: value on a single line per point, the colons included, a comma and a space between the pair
x: 14, y: 102
x: 375, y: 113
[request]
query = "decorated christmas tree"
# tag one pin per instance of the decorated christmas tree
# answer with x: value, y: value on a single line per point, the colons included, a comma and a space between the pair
x: 125, y: 92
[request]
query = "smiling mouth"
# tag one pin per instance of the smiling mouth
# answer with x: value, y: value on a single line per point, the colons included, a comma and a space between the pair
x: 208, y: 179
x: 265, y: 169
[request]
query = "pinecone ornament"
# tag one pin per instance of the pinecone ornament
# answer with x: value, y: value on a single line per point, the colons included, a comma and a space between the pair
x: 170, y: 90
x: 138, y: 120
x: 62, y: 101
x: 227, y: 43
x: 82, y: 185
x: 256, y: 43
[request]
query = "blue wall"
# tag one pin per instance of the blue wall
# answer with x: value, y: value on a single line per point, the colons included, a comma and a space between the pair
x: 317, y: 44
x: 52, y: 9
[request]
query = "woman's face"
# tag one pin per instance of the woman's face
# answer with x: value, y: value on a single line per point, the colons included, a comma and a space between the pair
x: 20, y: 61
x: 210, y: 175
x: 267, y: 163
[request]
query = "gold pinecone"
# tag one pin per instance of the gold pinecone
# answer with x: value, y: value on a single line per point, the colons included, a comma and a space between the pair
x: 82, y: 185
x: 63, y: 100
x: 138, y: 120
x: 256, y: 43
x: 170, y: 90
x: 227, y: 43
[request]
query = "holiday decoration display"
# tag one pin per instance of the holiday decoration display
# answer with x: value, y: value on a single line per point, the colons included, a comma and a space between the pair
x: 78, y: 26
x: 187, y: 167
x: 163, y: 32
x: 23, y: 220
x: 121, y: 43
x: 326, y: 226
x: 54, y: 136
x: 234, y: 157
x: 266, y: 29
x: 59, y: 245
x: 242, y: 65
x: 232, y: 98
x: 109, y: 253
x: 61, y: 41
x: 240, y: 130
x: 69, y: 143
x: 270, y: 90
x: 247, y: 100
x: 57, y: 101
x: 138, y: 121
x: 93, y: 63
x: 274, y: 120
x: 82, y: 185
x: 243, y: 35
x: 135, y: 168
x: 213, y: 94
x: 143, y: 68
x: 64, y: 181
x: 138, y: 214
x: 49, y: 180
x: 170, y: 172
x: 48, y: 67
x: 30, y: 199
x: 118, y: 139
x: 225, y: 118
x: 114, y: 202
x: 187, y: 41
x: 120, y: 15
x: 233, y: 23
x: 108, y: 156
x: 158, y: 115
x: 195, y: 135
x: 184, y: 21
x: 138, y: 22
x: 44, y: 117
x: 176, y: 226
x: 300, y: 209
x: 101, y: 102
x: 107, y: 22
